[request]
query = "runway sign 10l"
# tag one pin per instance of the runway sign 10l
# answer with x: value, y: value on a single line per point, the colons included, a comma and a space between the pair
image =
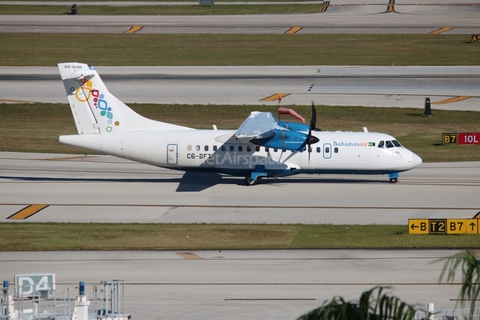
x: 461, y: 138
x: 468, y: 138
x: 443, y: 226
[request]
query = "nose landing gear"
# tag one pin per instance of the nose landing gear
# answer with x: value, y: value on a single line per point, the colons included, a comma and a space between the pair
x: 393, y: 177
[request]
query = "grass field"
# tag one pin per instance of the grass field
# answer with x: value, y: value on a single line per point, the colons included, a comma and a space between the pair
x: 32, y: 49
x: 36, y: 127
x: 101, y: 236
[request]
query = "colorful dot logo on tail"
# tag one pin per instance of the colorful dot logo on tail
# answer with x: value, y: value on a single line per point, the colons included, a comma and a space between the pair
x: 86, y: 91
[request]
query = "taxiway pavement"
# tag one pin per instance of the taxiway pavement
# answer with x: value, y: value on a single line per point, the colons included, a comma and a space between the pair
x: 453, y: 88
x: 341, y: 16
x: 108, y: 189
x: 244, y: 284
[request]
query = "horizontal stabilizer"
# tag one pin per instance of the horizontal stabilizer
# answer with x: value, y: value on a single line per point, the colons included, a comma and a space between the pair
x: 77, y: 76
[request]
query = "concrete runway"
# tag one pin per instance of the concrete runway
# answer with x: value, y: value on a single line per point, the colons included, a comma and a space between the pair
x: 373, y: 17
x: 107, y: 189
x: 244, y: 284
x: 453, y: 88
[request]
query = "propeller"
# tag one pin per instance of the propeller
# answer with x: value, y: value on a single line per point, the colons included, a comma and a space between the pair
x: 313, y: 121
x: 312, y: 139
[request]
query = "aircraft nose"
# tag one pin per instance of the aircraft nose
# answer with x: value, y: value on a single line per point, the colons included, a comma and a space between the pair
x: 416, y: 160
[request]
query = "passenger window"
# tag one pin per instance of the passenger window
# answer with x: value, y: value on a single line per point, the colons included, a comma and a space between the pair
x: 249, y: 149
x: 240, y: 148
x: 396, y: 143
x: 389, y: 144
x: 327, y: 150
x: 215, y: 148
x: 318, y: 150
x: 223, y: 148
x: 197, y: 148
x: 266, y: 149
x: 335, y: 150
x: 232, y: 148
x: 257, y: 148
x: 205, y: 148
x: 189, y: 147
x: 275, y: 150
x: 380, y: 144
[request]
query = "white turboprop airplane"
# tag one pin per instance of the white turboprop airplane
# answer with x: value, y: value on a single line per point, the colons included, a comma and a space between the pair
x: 262, y: 146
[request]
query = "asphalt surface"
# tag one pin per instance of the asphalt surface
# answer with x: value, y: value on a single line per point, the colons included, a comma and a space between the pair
x: 341, y: 16
x: 450, y: 88
x: 107, y: 189
x: 241, y: 284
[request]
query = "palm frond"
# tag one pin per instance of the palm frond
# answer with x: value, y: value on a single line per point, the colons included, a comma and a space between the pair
x: 372, y: 305
x: 470, y: 285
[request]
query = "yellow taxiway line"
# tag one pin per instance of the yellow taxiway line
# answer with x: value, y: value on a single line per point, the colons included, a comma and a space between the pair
x: 189, y: 255
x: 27, y: 212
x: 275, y: 97
x: 391, y: 7
x: 441, y: 30
x: 134, y: 29
x: 293, y: 30
x: 456, y: 99
x: 325, y: 6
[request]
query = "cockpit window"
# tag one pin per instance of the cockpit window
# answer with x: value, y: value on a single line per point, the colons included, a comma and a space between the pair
x: 380, y: 144
x: 389, y: 144
x: 396, y: 143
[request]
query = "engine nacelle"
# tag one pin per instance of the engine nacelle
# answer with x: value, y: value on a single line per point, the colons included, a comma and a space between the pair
x: 284, y: 140
x: 294, y: 126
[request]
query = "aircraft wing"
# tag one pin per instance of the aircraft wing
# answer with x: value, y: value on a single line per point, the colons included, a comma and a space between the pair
x: 259, y: 125
x: 264, y: 129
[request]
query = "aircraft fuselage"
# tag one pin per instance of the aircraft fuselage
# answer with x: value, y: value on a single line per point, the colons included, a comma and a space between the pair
x: 219, y: 151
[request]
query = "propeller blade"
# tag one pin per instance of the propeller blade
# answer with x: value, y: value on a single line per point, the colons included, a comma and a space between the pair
x: 313, y: 120
x: 310, y: 138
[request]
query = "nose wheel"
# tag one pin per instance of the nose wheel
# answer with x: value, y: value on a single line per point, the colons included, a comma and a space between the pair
x: 393, y: 177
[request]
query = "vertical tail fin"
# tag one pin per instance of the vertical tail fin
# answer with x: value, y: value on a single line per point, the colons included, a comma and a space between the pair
x: 95, y: 109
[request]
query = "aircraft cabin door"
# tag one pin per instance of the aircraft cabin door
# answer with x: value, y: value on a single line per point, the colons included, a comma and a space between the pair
x: 327, y: 150
x: 172, y: 154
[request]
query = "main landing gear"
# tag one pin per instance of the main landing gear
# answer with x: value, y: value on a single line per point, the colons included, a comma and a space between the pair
x: 393, y: 177
x: 256, y: 176
x: 250, y: 182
